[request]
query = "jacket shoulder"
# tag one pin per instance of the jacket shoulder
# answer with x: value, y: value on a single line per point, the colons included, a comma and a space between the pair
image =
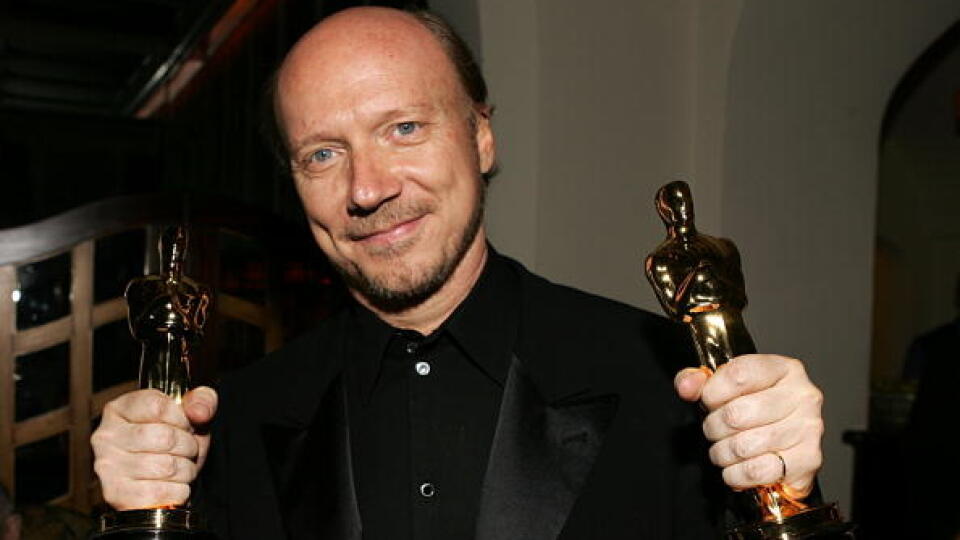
x: 313, y: 358
x: 584, y: 320
x: 574, y: 338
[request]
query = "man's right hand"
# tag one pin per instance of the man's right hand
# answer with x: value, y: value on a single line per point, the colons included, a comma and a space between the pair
x: 147, y: 449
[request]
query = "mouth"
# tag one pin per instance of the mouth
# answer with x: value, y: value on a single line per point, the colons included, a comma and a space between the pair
x: 389, y: 235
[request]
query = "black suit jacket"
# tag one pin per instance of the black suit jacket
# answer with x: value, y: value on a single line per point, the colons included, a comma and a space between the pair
x: 591, y: 441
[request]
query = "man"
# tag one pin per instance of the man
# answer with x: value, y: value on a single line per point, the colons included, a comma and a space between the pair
x: 462, y: 396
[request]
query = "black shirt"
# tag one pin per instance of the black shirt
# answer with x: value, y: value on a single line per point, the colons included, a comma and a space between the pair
x: 423, y: 410
x: 593, y: 442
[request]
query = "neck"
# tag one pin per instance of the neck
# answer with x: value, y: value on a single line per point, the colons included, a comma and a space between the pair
x: 430, y: 314
x: 173, y: 271
x: 681, y: 229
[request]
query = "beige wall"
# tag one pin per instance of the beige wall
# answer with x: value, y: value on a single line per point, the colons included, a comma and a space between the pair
x: 809, y: 83
x: 771, y: 107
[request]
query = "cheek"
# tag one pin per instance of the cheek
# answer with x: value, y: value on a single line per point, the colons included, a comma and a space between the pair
x: 450, y: 169
x: 319, y: 206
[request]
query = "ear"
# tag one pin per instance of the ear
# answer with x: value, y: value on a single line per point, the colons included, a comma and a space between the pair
x: 486, y: 145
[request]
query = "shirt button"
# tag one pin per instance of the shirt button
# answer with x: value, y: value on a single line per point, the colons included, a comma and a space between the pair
x: 411, y: 347
x: 427, y: 490
x: 423, y: 368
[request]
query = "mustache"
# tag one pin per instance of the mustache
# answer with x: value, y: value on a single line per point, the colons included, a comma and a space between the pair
x: 385, y: 217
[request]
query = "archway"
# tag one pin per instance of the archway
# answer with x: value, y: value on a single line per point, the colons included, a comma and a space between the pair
x: 916, y: 302
x: 809, y: 84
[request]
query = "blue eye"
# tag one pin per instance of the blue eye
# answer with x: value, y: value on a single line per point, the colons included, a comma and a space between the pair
x: 322, y: 154
x: 406, y: 128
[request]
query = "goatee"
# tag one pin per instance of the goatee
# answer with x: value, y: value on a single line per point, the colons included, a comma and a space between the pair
x: 417, y: 289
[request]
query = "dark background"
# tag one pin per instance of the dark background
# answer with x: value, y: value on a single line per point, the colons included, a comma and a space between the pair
x: 73, y: 75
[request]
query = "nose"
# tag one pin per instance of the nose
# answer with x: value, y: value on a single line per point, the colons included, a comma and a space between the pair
x: 372, y: 182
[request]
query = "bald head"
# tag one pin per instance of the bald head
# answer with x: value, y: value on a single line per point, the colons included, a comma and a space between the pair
x: 349, y: 35
x: 389, y: 148
x: 354, y: 36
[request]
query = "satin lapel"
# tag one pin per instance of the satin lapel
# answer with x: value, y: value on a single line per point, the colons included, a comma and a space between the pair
x: 539, y: 461
x: 313, y: 475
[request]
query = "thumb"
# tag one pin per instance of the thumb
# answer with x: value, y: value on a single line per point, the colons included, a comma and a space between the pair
x: 200, y: 404
x: 689, y: 383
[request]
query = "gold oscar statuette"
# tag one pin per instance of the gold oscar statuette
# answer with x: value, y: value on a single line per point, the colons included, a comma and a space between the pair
x: 166, y: 313
x: 698, y: 280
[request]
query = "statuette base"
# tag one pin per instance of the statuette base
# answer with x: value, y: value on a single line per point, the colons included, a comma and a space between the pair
x: 819, y: 523
x: 152, y: 524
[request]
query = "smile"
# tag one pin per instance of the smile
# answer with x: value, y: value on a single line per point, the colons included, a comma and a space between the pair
x: 392, y: 234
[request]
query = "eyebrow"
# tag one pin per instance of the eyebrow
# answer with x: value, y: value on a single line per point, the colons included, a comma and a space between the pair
x: 379, y: 119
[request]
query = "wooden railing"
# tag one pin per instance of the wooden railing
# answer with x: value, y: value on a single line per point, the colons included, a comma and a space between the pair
x: 75, y: 232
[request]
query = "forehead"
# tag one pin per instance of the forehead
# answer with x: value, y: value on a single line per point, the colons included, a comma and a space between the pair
x: 365, y: 65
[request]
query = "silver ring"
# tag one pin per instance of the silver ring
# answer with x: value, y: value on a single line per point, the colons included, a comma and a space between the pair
x: 783, y: 466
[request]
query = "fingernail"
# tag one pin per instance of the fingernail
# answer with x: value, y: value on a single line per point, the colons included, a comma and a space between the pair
x: 200, y: 409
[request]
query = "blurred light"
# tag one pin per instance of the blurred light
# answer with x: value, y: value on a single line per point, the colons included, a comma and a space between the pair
x: 15, y: 295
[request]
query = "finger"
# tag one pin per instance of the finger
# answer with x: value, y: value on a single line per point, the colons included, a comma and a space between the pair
x: 750, y: 411
x: 689, y: 383
x: 162, y: 467
x: 203, y: 443
x: 139, y: 494
x: 798, y: 490
x: 144, y: 407
x: 159, y: 439
x: 743, y: 375
x: 803, y: 462
x: 765, y: 469
x: 200, y: 404
x: 755, y: 442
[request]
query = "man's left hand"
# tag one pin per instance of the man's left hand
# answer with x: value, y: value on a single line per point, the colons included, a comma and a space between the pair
x: 760, y: 405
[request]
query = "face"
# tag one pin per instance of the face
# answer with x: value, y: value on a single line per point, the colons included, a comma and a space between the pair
x: 387, y: 153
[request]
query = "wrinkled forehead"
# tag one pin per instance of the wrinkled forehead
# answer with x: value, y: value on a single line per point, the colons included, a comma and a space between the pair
x: 346, y: 58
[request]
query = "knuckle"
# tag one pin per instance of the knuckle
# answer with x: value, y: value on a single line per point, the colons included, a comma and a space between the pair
x: 754, y: 471
x: 176, y: 493
x: 156, y: 404
x: 150, y: 494
x: 816, y: 460
x: 736, y: 414
x: 738, y: 372
x: 730, y: 477
x: 99, y: 438
x: 708, y: 396
x: 712, y: 428
x: 109, y: 494
x: 716, y: 454
x: 808, y: 395
x: 110, y: 409
x: 816, y: 427
x: 161, y: 437
x: 816, y: 396
x: 743, y: 446
x: 161, y: 467
x: 122, y: 495
x: 143, y: 495
x: 707, y: 430
x: 104, y: 469
x: 798, y: 490
x: 794, y: 365
x: 188, y: 469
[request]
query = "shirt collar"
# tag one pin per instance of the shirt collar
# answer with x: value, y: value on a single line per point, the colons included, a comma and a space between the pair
x: 484, y: 326
x: 486, y: 323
